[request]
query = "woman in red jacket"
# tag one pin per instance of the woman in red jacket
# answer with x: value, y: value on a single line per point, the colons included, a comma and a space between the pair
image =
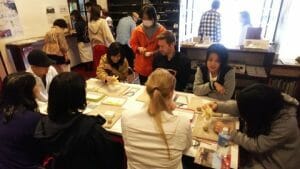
x: 144, y: 42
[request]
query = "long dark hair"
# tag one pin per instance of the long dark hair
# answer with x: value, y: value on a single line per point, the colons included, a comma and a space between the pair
x: 222, y: 53
x: 150, y: 11
x: 114, y: 49
x: 95, y: 12
x: 67, y: 97
x: 259, y: 106
x: 17, y: 94
x: 77, y: 16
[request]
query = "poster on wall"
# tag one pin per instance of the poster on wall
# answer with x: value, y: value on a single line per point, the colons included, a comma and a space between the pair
x: 9, y: 20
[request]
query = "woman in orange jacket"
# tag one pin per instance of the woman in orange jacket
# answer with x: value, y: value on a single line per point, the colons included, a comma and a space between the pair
x: 144, y: 43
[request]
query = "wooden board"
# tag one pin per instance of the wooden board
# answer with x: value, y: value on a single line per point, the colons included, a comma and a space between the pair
x: 114, y: 101
x: 199, y: 131
x: 101, y: 109
x: 143, y: 97
x: 96, y: 85
x: 196, y: 102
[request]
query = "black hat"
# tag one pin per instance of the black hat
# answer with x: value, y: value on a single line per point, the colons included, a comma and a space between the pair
x: 39, y: 58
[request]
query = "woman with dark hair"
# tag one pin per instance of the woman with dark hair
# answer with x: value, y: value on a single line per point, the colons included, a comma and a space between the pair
x: 113, y: 64
x: 74, y: 140
x: 246, y: 23
x: 99, y: 33
x: 270, y: 135
x: 215, y: 78
x: 144, y: 43
x: 56, y: 45
x: 18, y: 119
x: 83, y: 41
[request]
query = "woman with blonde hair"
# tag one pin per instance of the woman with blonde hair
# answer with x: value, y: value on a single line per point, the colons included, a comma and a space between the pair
x: 153, y: 136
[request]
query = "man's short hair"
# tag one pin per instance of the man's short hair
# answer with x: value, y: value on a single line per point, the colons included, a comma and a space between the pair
x: 167, y: 36
x: 215, y: 4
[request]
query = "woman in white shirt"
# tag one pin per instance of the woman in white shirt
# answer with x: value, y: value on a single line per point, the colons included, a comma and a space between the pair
x: 153, y: 136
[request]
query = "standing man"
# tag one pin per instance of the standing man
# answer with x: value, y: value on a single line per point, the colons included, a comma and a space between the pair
x: 125, y: 27
x: 168, y: 58
x: 210, y: 24
x: 40, y: 67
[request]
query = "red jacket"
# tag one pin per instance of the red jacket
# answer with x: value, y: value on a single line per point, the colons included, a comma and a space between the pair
x: 142, y: 64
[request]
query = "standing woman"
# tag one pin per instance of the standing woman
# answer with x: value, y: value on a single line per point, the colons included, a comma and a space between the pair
x: 100, y: 34
x: 246, y: 23
x: 154, y: 137
x: 18, y: 119
x: 56, y: 46
x: 215, y: 78
x: 83, y: 41
x: 144, y: 42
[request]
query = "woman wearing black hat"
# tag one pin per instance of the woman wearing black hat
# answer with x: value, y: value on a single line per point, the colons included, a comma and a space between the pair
x: 40, y: 67
x: 215, y: 78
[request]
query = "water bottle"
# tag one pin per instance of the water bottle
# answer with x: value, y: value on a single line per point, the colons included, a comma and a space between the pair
x: 223, y: 148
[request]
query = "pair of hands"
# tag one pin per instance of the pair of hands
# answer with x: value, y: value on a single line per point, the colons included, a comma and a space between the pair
x: 218, y: 126
x: 111, y: 79
x: 219, y: 88
x: 144, y: 52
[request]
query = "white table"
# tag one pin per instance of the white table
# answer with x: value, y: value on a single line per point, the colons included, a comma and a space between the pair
x: 133, y: 104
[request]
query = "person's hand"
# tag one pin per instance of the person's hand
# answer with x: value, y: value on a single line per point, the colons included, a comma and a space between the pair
x: 142, y: 50
x: 107, y: 67
x: 148, y: 54
x: 219, y: 88
x: 212, y: 105
x: 218, y: 127
x: 111, y: 79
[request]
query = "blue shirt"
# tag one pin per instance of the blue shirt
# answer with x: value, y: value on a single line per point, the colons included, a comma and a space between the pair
x: 125, y: 26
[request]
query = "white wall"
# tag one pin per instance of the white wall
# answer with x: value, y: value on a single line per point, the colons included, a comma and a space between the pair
x: 103, y: 3
x: 33, y: 18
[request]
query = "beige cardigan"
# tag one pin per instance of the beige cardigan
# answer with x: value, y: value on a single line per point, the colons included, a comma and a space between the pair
x: 99, y: 33
x: 55, y: 42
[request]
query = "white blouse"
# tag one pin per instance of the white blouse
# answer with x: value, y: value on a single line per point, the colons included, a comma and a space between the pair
x: 146, y: 149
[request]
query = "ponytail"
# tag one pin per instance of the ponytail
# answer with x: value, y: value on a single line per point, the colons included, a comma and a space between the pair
x: 156, y: 106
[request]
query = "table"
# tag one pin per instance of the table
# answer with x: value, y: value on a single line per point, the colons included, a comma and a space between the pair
x: 133, y: 104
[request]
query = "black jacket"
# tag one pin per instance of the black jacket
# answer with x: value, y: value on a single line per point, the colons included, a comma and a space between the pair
x: 82, y: 31
x: 179, y: 63
x: 81, y: 143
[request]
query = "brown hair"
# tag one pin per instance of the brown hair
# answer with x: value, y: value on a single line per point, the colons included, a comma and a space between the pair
x: 159, y: 87
x: 167, y: 36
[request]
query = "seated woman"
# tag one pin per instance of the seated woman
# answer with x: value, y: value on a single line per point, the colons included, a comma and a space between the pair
x: 113, y: 65
x: 153, y: 136
x: 19, y: 117
x: 215, y: 78
x: 271, y: 136
x: 75, y: 140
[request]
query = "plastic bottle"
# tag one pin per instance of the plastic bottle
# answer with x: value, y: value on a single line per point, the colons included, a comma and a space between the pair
x: 223, y: 148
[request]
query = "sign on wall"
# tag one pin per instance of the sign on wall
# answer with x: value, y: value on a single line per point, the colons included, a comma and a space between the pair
x: 9, y: 19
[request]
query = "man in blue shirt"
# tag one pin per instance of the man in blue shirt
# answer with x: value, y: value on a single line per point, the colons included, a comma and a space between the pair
x: 124, y: 29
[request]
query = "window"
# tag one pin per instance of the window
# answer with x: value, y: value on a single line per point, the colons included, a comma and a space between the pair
x: 287, y: 34
x: 263, y: 13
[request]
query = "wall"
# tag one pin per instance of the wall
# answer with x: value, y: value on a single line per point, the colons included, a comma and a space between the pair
x: 33, y: 18
x: 103, y: 3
